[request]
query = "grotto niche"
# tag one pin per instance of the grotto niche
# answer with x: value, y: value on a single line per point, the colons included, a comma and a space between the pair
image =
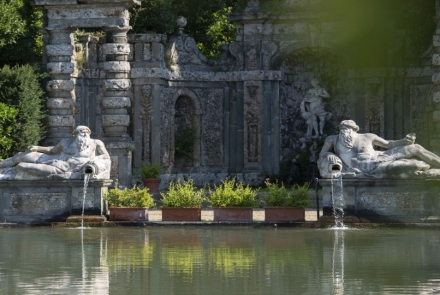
x: 300, y: 142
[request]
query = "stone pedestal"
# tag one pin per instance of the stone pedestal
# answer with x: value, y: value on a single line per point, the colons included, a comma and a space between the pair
x: 34, y: 202
x: 386, y: 200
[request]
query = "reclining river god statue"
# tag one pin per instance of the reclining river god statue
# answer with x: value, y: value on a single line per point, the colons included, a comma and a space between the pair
x: 354, y: 155
x: 69, y: 159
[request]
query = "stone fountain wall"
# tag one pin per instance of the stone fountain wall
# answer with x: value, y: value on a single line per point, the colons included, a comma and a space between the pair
x: 41, y: 201
x: 137, y: 92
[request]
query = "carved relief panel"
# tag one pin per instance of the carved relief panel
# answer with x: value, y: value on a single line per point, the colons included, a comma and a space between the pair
x: 252, y: 123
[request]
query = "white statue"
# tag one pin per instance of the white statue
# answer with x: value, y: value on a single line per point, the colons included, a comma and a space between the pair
x: 313, y: 111
x: 66, y: 160
x: 354, y: 153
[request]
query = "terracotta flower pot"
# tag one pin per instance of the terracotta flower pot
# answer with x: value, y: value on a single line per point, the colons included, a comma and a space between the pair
x: 284, y: 214
x: 181, y: 214
x: 128, y: 213
x: 233, y: 213
x: 153, y: 184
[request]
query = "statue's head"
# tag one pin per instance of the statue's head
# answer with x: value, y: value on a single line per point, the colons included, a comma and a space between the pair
x: 81, y: 129
x: 314, y: 82
x: 349, y: 123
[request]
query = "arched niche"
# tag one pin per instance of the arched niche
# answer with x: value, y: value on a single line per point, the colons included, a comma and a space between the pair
x: 186, y: 131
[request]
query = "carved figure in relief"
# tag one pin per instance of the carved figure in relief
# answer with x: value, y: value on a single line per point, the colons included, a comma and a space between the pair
x: 66, y: 160
x: 313, y: 110
x: 355, y: 153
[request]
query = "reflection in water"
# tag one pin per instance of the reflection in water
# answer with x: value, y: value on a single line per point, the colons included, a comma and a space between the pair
x: 83, y: 256
x: 338, y: 262
x: 217, y: 260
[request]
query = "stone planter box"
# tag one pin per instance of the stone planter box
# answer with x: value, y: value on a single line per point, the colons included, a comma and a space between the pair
x: 233, y: 213
x: 181, y: 214
x: 284, y: 214
x: 128, y: 213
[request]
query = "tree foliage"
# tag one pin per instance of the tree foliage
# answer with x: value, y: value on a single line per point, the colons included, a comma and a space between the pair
x: 21, y: 92
x: 207, y: 22
x: 20, y: 33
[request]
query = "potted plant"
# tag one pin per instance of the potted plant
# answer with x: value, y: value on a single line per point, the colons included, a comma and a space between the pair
x: 150, y: 175
x: 129, y: 204
x: 282, y: 205
x: 182, y: 202
x: 232, y: 201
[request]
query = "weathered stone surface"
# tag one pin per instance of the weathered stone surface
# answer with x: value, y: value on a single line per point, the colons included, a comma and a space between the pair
x: 60, y: 49
x: 436, y: 59
x: 60, y: 67
x: 436, y: 116
x: 115, y: 120
x: 436, y: 78
x: 387, y: 199
x: 436, y: 40
x: 436, y: 97
x: 112, y: 48
x: 59, y: 121
x: 87, y: 12
x: 117, y: 84
x: 60, y: 85
x: 39, y: 201
x: 116, y: 102
x: 147, y: 38
x: 60, y: 103
x: 117, y: 66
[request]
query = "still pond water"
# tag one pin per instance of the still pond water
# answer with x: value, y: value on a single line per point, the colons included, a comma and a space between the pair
x: 219, y: 260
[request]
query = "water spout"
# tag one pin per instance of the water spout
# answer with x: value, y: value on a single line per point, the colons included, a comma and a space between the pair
x: 338, y: 201
x: 90, y: 169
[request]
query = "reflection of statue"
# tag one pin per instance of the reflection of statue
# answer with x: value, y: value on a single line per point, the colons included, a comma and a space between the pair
x: 312, y: 109
x: 65, y: 160
x: 355, y: 153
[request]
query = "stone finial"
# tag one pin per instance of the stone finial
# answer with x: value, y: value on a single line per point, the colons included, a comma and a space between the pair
x: 181, y: 24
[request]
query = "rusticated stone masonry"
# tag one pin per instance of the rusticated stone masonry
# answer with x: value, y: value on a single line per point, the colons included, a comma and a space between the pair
x: 60, y: 88
x: 435, y: 142
x: 117, y: 85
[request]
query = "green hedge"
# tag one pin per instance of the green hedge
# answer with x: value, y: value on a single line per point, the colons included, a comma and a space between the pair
x: 22, y: 111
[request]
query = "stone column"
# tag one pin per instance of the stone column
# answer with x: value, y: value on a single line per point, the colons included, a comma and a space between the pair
x: 61, y: 101
x: 117, y: 85
x: 435, y: 139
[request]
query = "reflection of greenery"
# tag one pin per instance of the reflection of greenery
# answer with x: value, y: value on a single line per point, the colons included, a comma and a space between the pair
x: 123, y: 254
x: 182, y: 260
x: 232, y: 261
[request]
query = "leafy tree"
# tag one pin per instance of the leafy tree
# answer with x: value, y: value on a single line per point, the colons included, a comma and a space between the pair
x: 12, y: 25
x: 207, y: 22
x: 20, y: 37
x: 221, y: 31
x: 20, y: 90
